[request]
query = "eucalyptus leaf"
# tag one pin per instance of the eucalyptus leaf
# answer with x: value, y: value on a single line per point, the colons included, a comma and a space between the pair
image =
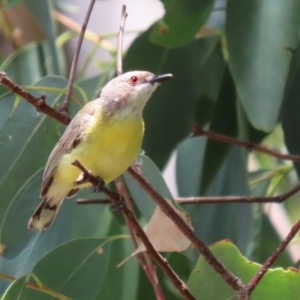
x: 261, y: 37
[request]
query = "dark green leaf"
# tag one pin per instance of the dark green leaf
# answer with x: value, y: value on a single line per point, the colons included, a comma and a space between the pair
x: 175, y: 99
x: 224, y: 121
x: 261, y: 36
x: 76, y: 269
x: 206, y: 284
x: 181, y: 22
x: 42, y: 11
x: 144, y: 202
x: 291, y: 105
x: 26, y: 65
x: 213, y: 222
x: 15, y: 290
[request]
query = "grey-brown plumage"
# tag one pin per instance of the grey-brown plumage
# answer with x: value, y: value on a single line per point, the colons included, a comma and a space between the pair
x: 105, y: 136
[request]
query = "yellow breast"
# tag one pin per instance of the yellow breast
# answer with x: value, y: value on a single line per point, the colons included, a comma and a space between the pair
x: 109, y: 147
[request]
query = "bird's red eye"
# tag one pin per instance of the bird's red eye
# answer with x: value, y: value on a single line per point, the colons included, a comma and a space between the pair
x: 133, y: 80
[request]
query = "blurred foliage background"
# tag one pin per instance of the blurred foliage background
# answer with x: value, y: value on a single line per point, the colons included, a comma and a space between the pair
x: 239, y: 78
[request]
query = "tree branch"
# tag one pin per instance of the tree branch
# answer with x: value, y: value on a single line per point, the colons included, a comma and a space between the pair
x: 231, y: 279
x: 239, y: 199
x: 118, y: 201
x: 257, y: 278
x: 39, y: 103
x: 65, y: 106
x: 198, y: 131
x: 120, y: 40
x: 146, y: 264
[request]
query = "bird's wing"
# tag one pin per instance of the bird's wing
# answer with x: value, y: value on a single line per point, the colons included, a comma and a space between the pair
x: 68, y: 141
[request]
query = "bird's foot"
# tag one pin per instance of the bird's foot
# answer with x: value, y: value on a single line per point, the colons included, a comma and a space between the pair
x: 119, y: 204
x: 98, y: 185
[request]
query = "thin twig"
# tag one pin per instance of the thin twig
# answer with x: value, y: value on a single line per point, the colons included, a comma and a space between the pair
x: 118, y: 201
x: 93, y: 201
x: 256, y: 279
x: 65, y: 106
x: 198, y: 131
x: 42, y: 289
x: 38, y: 103
x: 120, y: 40
x: 146, y: 264
x: 232, y: 280
x: 239, y: 199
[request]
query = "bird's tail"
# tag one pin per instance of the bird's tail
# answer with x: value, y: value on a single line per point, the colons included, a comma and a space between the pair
x: 46, y: 212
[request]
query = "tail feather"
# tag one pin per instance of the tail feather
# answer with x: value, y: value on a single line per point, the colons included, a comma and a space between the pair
x: 45, y: 214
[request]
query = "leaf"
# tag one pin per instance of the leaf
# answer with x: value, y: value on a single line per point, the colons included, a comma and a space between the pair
x: 290, y: 119
x: 42, y: 11
x: 92, y: 86
x: 25, y: 247
x: 189, y: 165
x: 14, y: 291
x: 261, y: 37
x: 206, y: 284
x: 26, y: 140
x: 224, y: 121
x: 173, y: 100
x: 144, y: 202
x: 163, y: 234
x: 26, y: 65
x: 213, y: 222
x: 127, y: 277
x: 80, y: 276
x: 211, y: 82
x: 181, y: 22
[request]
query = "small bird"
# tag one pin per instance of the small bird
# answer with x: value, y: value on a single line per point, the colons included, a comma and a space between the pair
x: 105, y: 136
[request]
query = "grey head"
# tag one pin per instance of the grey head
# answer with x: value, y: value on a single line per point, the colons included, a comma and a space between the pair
x: 128, y: 93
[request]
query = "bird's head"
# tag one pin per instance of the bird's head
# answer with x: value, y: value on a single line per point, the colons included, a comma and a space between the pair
x: 129, y: 92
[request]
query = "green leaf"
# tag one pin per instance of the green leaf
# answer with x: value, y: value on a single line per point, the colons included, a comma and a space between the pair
x: 189, y: 165
x: 26, y: 139
x: 25, y: 247
x: 206, y: 284
x: 213, y: 222
x: 6, y: 106
x: 90, y: 220
x: 290, y: 119
x: 211, y: 81
x: 173, y: 100
x: 14, y: 291
x: 42, y: 11
x: 181, y: 22
x: 144, y: 202
x: 76, y: 269
x: 127, y: 276
x: 261, y: 36
x: 92, y: 85
x: 23, y: 145
x: 224, y: 121
x: 26, y: 65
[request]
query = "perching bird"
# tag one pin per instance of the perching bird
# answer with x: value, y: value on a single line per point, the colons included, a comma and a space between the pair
x: 105, y: 137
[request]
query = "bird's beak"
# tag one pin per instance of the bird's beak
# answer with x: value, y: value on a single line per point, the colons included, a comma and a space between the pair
x: 160, y: 78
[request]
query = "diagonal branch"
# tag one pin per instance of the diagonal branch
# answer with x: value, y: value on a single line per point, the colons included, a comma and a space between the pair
x: 146, y: 264
x: 38, y: 103
x: 256, y: 279
x: 231, y: 279
x: 118, y: 201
